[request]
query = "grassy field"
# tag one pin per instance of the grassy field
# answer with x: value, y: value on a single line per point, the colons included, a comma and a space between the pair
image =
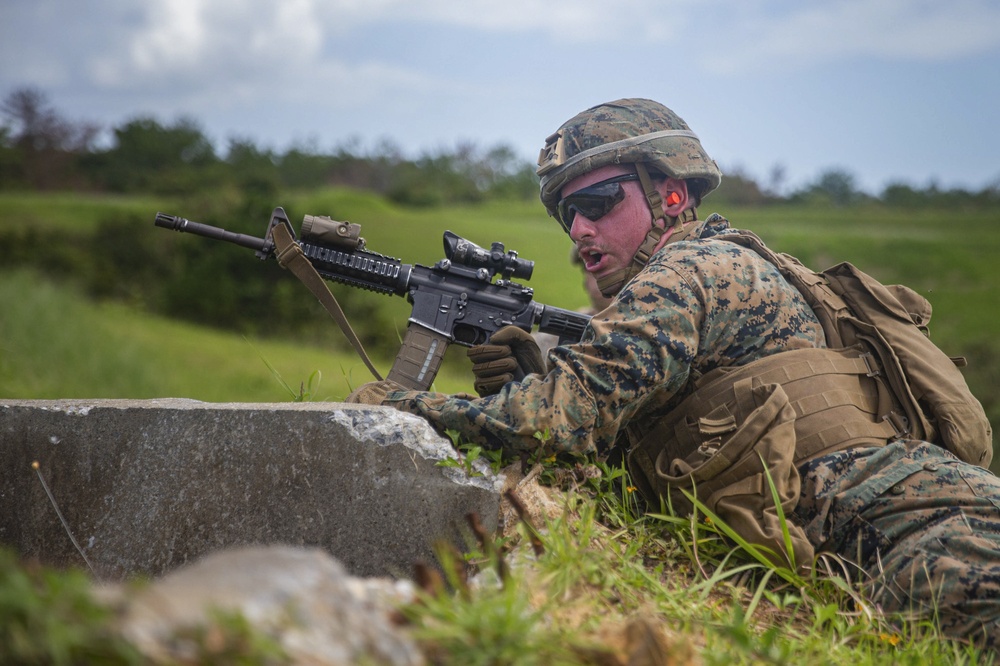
x: 603, y: 567
x: 948, y: 257
x: 54, y: 212
x: 56, y: 344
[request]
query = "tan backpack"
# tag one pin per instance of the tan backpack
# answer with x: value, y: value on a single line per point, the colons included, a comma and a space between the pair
x: 931, y: 400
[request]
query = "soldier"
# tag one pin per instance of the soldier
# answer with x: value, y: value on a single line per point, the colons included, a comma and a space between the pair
x: 694, y: 310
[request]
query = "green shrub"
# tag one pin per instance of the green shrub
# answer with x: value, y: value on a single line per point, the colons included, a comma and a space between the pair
x: 50, y: 617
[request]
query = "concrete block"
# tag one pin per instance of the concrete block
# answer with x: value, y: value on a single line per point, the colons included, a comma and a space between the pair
x: 146, y: 486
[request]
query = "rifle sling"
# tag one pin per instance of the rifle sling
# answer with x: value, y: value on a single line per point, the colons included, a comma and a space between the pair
x: 291, y: 256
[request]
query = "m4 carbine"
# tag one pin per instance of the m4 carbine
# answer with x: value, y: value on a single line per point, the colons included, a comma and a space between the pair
x: 455, y: 301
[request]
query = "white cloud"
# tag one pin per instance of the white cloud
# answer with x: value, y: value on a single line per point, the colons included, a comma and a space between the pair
x: 174, y: 37
x: 593, y: 23
x: 277, y: 70
x: 216, y: 54
x: 233, y: 42
x: 235, y: 38
x: 203, y: 38
x: 895, y: 29
x: 730, y: 33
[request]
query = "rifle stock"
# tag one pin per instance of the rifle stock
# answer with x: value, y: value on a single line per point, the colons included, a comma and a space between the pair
x: 455, y: 301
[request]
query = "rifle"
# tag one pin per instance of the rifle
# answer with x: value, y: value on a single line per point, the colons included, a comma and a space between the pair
x: 455, y: 301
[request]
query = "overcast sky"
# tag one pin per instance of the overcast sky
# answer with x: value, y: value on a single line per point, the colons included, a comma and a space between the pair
x: 888, y: 90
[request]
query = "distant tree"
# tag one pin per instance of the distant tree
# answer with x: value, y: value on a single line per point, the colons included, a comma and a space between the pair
x: 11, y: 164
x: 839, y: 185
x: 500, y: 172
x: 153, y: 157
x: 145, y: 142
x: 776, y: 180
x: 436, y: 178
x: 836, y: 187
x: 522, y: 184
x: 304, y: 167
x: 373, y: 169
x: 44, y: 147
x: 244, y: 155
x: 989, y: 195
x: 739, y: 188
x: 906, y: 196
x: 902, y: 195
x: 38, y: 127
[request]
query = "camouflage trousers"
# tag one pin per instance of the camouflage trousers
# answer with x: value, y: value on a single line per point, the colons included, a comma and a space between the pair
x: 922, y: 526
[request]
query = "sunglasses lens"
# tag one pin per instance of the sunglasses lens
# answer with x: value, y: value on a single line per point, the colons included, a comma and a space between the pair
x: 592, y: 202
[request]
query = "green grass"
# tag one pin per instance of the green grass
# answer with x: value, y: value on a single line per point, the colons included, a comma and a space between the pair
x: 70, y: 211
x: 56, y: 344
x: 601, y: 585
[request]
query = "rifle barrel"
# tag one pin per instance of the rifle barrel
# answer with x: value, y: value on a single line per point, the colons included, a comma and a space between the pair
x: 184, y: 225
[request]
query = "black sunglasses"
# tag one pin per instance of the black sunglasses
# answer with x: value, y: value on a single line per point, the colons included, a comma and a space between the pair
x: 594, y: 201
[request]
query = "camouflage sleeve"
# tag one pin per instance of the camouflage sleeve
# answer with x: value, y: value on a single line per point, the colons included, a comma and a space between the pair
x: 697, y: 305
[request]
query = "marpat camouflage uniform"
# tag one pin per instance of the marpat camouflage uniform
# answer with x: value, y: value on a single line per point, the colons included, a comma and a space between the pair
x: 922, y: 526
x: 698, y: 305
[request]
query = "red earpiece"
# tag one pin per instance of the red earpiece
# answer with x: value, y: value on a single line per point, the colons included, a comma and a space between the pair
x: 673, y: 199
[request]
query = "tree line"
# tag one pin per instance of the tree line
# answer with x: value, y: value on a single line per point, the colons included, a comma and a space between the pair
x: 41, y: 149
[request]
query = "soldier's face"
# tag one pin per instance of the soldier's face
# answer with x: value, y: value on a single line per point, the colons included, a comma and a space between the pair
x: 609, y: 243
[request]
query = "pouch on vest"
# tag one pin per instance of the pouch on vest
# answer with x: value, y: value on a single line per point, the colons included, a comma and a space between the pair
x: 931, y: 398
x: 726, y: 472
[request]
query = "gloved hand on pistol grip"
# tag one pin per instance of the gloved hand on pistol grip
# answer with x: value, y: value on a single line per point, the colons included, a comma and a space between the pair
x: 510, y: 355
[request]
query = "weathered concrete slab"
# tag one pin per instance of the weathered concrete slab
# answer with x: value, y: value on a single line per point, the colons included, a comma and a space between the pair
x: 146, y: 486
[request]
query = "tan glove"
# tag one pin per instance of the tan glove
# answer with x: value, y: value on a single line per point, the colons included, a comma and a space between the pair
x: 510, y: 355
x: 373, y: 393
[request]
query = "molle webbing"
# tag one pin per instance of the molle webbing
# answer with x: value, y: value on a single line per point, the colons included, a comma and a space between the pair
x: 837, y: 405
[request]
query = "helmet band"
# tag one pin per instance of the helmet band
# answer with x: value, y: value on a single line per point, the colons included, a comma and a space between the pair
x: 553, y: 155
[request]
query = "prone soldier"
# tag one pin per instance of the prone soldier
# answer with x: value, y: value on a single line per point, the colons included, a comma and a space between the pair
x: 705, y: 330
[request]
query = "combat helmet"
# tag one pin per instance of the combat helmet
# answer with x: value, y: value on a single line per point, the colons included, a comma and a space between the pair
x: 628, y: 131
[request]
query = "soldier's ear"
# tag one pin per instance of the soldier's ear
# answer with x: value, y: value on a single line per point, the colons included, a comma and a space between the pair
x: 675, y: 196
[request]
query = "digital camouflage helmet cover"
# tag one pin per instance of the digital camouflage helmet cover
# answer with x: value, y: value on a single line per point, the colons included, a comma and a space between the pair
x: 637, y: 131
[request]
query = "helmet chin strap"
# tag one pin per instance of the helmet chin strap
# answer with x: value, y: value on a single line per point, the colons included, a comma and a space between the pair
x: 676, y: 228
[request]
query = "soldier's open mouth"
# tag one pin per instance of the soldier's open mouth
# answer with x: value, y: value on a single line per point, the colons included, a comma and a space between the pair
x: 591, y: 259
